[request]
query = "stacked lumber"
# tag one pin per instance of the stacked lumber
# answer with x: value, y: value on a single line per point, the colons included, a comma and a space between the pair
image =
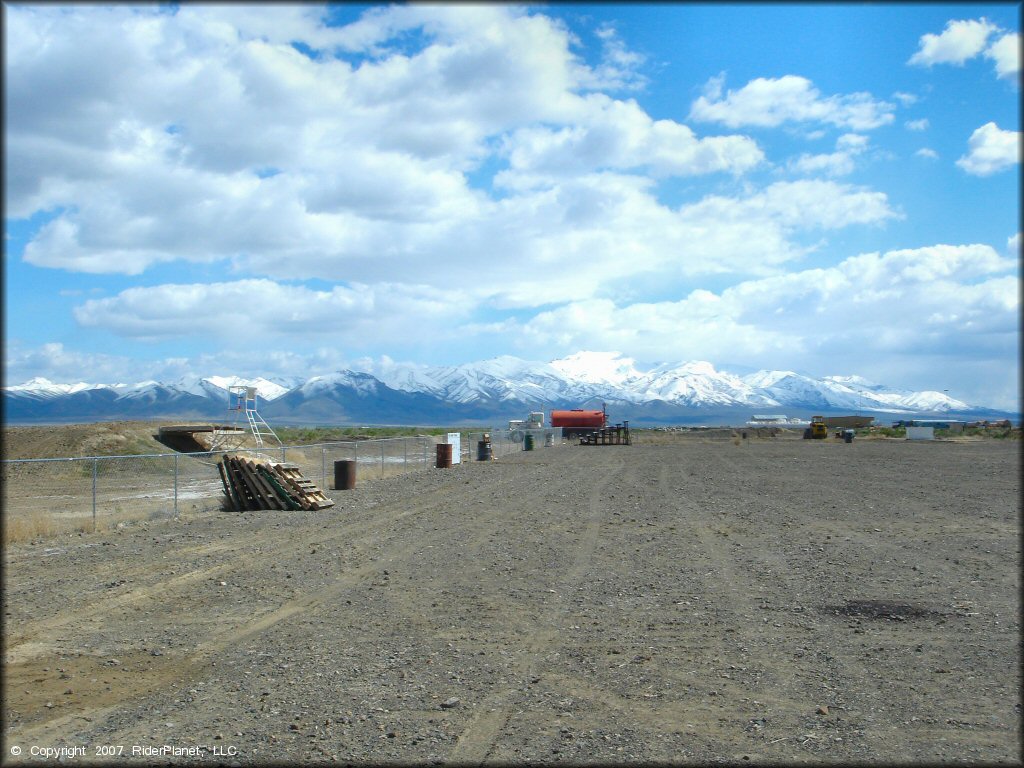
x: 251, y: 484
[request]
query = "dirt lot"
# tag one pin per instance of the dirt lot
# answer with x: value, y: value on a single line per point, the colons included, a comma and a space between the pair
x: 777, y: 600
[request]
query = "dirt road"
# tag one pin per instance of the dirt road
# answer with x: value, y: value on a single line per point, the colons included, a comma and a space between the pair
x: 776, y: 600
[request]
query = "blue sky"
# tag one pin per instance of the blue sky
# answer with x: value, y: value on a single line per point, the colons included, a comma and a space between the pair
x: 290, y: 190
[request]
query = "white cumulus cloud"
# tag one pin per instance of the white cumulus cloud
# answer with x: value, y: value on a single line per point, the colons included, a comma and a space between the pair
x: 620, y: 135
x: 1005, y: 52
x: 61, y: 365
x: 614, y: 228
x: 875, y: 312
x: 225, y: 310
x: 964, y: 39
x: 838, y: 163
x: 990, y: 150
x: 958, y: 42
x: 770, y: 102
x: 430, y: 135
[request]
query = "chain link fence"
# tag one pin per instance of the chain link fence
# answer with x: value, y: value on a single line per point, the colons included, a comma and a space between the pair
x: 506, y: 441
x: 46, y: 496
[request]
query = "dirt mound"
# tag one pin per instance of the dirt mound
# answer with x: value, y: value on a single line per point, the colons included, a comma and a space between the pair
x: 113, y: 438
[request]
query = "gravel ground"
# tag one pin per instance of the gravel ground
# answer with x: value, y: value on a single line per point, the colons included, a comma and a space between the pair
x: 776, y: 600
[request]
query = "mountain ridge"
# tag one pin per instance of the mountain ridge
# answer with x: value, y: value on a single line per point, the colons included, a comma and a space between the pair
x: 486, y: 391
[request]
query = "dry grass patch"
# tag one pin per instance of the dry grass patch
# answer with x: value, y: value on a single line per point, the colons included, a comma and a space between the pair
x: 41, y: 525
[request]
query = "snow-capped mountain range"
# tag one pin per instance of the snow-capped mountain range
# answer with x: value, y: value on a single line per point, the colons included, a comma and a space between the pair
x: 586, y: 376
x: 215, y: 386
x: 489, y: 391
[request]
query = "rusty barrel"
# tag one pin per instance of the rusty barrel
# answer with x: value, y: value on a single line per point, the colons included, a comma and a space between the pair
x: 483, y: 450
x: 344, y: 475
x: 444, y: 455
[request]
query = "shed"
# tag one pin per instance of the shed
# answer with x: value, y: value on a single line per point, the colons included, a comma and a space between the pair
x: 920, y: 433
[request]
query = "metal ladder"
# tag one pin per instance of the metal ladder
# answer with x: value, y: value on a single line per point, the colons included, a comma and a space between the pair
x: 257, y: 425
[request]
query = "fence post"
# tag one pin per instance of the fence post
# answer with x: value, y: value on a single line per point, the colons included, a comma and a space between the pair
x: 405, y: 454
x: 284, y: 454
x: 382, y: 459
x: 175, y: 485
x: 94, y: 462
x: 323, y: 467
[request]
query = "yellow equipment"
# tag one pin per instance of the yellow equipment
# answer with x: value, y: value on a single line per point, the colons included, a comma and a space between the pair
x: 818, y: 430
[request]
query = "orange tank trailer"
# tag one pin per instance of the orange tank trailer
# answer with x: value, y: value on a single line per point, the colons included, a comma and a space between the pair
x: 578, y: 420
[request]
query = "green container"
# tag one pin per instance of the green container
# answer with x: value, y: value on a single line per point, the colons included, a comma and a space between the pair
x: 528, y: 442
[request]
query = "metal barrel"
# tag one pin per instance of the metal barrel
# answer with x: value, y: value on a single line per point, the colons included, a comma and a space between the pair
x: 549, y: 439
x: 848, y: 437
x: 344, y: 475
x: 444, y: 455
x: 483, y: 450
x: 528, y: 442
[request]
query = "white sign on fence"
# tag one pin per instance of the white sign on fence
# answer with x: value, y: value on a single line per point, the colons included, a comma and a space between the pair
x: 455, y: 441
x: 920, y: 433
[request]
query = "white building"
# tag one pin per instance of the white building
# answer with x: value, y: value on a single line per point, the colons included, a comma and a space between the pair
x: 774, y: 420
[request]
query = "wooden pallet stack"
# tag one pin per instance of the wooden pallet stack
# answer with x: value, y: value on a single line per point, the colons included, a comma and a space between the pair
x: 251, y: 484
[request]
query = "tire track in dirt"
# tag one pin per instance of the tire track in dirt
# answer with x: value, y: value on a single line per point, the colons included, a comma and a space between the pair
x: 385, y: 558
x: 480, y: 736
x: 183, y: 669
x: 105, y: 570
x: 473, y: 538
x: 643, y: 488
x: 671, y: 522
x: 665, y: 716
x: 362, y: 538
x: 740, y: 574
x: 483, y: 736
x: 732, y: 584
x: 253, y: 540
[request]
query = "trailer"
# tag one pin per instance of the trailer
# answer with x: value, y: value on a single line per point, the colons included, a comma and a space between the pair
x: 579, y: 421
